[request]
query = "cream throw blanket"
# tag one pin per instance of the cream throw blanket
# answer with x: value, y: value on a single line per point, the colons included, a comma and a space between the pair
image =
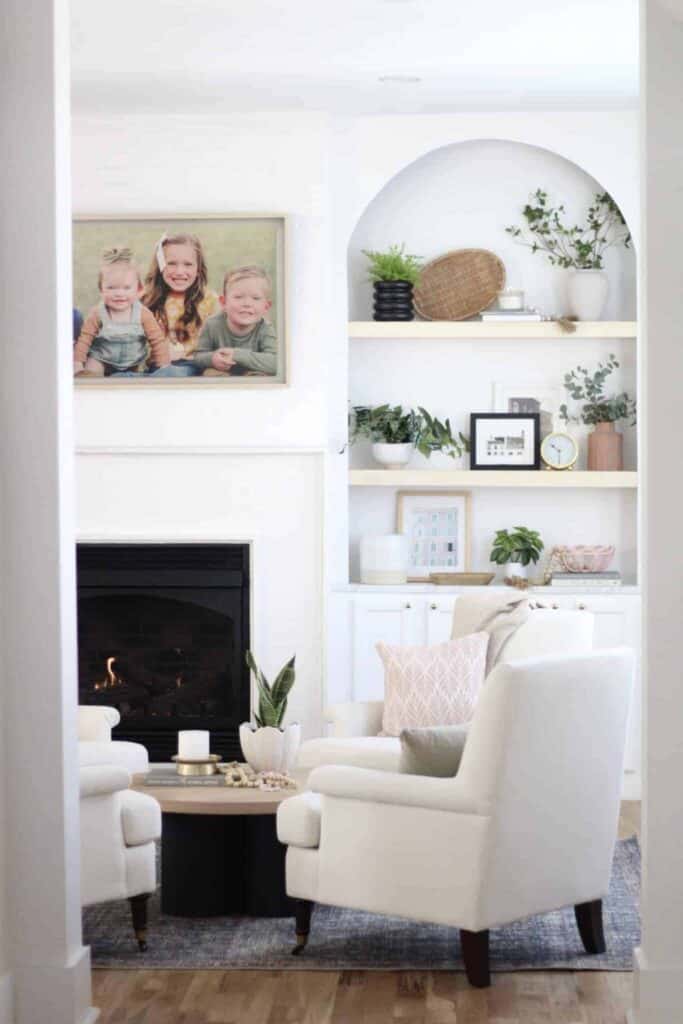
x: 498, y: 615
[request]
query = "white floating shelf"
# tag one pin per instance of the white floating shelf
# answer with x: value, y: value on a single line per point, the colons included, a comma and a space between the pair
x: 490, y: 478
x: 471, y: 330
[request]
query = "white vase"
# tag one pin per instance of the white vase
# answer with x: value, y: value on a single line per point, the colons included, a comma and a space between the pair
x: 515, y: 569
x: 587, y: 293
x: 392, y: 456
x: 270, y: 749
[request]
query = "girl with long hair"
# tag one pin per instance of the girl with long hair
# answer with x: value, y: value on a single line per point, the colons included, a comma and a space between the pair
x: 176, y: 293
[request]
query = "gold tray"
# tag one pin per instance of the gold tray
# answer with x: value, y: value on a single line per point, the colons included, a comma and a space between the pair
x: 461, y: 579
x: 197, y: 767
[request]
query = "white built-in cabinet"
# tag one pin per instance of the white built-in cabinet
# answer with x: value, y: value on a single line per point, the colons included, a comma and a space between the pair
x: 360, y: 617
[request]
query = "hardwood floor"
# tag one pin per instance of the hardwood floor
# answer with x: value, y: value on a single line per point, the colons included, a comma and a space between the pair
x: 365, y: 997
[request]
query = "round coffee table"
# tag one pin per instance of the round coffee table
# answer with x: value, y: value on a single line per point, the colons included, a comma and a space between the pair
x: 219, y: 851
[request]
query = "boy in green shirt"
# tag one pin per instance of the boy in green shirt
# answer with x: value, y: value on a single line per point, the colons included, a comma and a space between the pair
x: 238, y: 340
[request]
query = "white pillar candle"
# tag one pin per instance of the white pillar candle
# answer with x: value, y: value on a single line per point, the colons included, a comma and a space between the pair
x: 193, y: 745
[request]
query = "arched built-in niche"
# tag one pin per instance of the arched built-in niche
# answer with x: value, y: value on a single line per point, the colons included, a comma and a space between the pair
x: 465, y: 195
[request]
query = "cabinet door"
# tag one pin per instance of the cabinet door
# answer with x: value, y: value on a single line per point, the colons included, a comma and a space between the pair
x: 439, y: 615
x: 394, y: 620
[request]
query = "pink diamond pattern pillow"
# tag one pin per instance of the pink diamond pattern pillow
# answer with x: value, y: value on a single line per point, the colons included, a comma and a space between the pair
x: 436, y: 685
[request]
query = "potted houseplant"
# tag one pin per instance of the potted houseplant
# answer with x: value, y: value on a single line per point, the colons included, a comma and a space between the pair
x: 392, y: 430
x: 578, y: 249
x: 601, y: 411
x: 393, y: 273
x: 267, y: 746
x: 514, y: 551
x: 437, y: 440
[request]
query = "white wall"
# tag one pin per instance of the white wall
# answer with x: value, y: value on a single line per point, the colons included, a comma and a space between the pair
x: 659, y: 974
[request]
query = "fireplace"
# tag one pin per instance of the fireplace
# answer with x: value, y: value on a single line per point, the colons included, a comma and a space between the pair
x: 162, y: 634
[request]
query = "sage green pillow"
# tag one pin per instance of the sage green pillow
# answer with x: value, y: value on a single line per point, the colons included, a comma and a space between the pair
x: 434, y: 750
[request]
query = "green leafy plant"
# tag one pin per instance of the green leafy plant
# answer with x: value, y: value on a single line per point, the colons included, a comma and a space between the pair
x: 582, y: 248
x: 272, y: 699
x: 385, y: 423
x: 393, y: 265
x: 598, y: 407
x: 436, y: 436
x: 522, y: 545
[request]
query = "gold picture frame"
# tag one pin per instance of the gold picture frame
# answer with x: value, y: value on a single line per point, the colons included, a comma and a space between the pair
x: 227, y: 241
x: 426, y: 548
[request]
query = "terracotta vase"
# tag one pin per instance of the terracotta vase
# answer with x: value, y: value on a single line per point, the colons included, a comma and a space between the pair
x: 605, y: 448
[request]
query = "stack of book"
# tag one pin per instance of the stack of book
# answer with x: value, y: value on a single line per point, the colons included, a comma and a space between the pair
x: 585, y: 579
x: 510, y: 316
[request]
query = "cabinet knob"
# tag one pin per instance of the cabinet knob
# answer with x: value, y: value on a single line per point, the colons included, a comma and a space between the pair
x: 554, y: 607
x: 408, y: 604
x: 433, y: 606
x: 581, y: 606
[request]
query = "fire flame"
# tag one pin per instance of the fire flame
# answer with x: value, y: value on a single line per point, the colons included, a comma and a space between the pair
x: 112, y: 678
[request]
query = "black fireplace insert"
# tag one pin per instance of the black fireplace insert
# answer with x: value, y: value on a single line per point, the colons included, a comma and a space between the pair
x: 162, y: 634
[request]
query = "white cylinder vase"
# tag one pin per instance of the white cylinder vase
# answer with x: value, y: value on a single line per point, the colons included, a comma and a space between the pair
x: 269, y: 749
x: 384, y: 559
x: 392, y: 456
x: 587, y: 293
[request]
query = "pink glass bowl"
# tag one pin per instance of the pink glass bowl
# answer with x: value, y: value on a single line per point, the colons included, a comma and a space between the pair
x: 585, y: 558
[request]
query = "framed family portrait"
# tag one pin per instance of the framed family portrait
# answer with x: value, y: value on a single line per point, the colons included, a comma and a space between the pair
x: 501, y: 440
x: 437, y: 525
x: 192, y: 300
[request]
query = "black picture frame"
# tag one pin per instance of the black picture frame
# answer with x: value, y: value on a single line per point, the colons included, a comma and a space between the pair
x: 475, y: 432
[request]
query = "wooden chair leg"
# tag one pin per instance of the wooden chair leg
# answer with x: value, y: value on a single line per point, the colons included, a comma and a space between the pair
x: 475, y: 953
x: 138, y: 906
x: 302, y: 914
x: 589, y: 922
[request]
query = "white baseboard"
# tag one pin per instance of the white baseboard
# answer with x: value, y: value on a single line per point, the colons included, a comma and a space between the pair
x: 658, y: 992
x: 6, y: 998
x: 58, y: 995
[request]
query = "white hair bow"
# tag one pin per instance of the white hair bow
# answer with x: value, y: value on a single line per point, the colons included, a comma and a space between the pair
x: 161, y: 259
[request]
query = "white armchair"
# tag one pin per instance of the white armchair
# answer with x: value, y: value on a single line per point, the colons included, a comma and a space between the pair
x: 118, y: 829
x: 95, y: 745
x: 527, y: 825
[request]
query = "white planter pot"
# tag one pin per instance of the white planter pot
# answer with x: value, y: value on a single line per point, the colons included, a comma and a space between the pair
x: 437, y: 460
x: 587, y: 293
x: 515, y: 569
x: 392, y: 456
x: 270, y: 749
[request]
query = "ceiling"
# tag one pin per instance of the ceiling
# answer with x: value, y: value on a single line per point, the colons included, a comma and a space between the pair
x: 222, y: 55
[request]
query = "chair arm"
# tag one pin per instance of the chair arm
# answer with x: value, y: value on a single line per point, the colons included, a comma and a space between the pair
x: 101, y: 779
x: 371, y: 786
x: 96, y: 723
x: 355, y: 718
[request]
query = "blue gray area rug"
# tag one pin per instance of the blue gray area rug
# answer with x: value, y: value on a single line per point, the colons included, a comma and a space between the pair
x: 351, y: 940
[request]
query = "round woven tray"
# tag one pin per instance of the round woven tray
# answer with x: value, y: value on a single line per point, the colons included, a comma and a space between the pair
x: 459, y: 284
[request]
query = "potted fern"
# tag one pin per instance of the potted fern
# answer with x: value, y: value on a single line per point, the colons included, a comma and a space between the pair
x: 393, y: 273
x: 514, y: 551
x: 392, y: 430
x: 268, y: 746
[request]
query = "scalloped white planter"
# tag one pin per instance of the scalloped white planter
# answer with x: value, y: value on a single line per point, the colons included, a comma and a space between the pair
x: 392, y: 456
x: 269, y: 749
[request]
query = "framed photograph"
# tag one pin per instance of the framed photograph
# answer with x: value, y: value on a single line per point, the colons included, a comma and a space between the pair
x: 505, y: 440
x: 543, y: 399
x: 438, y: 527
x: 191, y: 301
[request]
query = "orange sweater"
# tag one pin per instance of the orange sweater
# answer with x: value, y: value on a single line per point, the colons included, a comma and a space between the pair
x: 155, y: 336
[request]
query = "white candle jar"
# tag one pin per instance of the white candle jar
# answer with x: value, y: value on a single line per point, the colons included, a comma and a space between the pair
x: 193, y: 745
x: 511, y: 299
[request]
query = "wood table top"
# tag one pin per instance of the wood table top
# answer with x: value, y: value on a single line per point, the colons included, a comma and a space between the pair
x: 220, y: 799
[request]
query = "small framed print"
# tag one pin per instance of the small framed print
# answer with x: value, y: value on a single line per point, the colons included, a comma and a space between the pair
x: 437, y: 525
x: 501, y: 440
